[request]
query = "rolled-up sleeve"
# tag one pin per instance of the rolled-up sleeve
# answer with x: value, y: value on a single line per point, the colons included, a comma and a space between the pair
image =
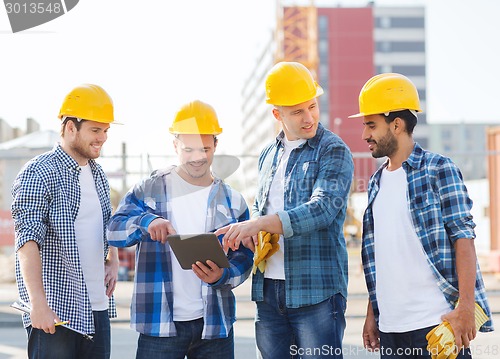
x: 30, y: 207
x: 129, y: 224
x: 456, y: 204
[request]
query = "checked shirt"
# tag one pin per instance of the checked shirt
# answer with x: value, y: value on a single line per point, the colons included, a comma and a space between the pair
x: 316, y: 187
x: 152, y: 301
x: 46, y: 198
x: 440, y: 211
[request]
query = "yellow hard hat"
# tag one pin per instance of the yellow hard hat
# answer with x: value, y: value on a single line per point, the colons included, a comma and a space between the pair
x: 88, y: 102
x: 387, y: 92
x: 196, y: 118
x: 290, y: 83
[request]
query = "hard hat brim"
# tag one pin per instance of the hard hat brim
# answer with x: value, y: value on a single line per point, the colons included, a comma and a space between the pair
x: 358, y: 115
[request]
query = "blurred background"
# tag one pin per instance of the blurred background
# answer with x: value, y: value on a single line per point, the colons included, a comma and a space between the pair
x: 152, y: 56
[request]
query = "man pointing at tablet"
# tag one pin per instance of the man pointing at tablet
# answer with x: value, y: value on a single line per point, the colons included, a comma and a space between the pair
x: 181, y: 312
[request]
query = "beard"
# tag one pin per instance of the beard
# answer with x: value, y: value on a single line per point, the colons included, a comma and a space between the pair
x: 385, y: 146
x: 84, y: 150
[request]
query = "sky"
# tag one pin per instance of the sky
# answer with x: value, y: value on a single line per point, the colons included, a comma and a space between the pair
x: 152, y: 56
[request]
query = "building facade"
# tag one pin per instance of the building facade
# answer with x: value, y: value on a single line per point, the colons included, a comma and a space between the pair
x: 464, y: 143
x: 352, y: 44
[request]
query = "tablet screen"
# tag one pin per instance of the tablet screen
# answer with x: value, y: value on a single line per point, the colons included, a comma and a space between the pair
x: 190, y: 248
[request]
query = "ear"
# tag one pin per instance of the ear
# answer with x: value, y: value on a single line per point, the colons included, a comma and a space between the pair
x: 70, y: 127
x: 398, y: 125
x: 174, y: 141
x: 277, y: 114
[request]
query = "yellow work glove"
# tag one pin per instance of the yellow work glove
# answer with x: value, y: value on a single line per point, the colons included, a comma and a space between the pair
x: 441, y: 340
x: 267, y: 246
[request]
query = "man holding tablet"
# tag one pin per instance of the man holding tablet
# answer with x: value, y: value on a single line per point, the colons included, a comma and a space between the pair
x: 182, y: 312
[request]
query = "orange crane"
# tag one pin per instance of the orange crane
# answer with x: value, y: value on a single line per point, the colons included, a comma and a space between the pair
x: 297, y: 35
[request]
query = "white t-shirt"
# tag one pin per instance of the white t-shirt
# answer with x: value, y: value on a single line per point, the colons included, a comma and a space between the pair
x: 89, y: 238
x: 407, y: 292
x: 189, y: 212
x: 275, y: 265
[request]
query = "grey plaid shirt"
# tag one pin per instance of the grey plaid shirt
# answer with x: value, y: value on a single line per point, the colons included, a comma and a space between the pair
x: 316, y: 187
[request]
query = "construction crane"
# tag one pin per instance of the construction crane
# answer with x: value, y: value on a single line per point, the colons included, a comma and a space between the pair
x: 297, y: 35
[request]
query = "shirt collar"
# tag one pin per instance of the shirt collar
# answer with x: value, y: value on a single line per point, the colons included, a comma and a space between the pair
x: 416, y: 159
x: 69, y: 161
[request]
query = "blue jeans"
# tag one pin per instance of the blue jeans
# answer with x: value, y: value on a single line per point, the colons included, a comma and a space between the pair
x: 188, y: 343
x: 314, y: 331
x: 67, y: 344
x: 409, y: 345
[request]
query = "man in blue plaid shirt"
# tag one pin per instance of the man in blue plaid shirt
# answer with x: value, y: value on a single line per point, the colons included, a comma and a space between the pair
x: 304, y: 180
x: 418, y: 248
x: 61, y: 206
x: 181, y: 312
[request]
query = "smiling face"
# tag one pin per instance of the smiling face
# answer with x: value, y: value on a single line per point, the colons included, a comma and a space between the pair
x: 195, y: 154
x: 85, y: 142
x: 299, y: 121
x: 377, y: 132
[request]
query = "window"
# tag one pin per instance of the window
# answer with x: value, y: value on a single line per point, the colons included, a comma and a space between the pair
x: 322, y: 25
x: 422, y: 94
x: 383, y: 22
x: 408, y: 22
x: 410, y: 70
x: 400, y: 46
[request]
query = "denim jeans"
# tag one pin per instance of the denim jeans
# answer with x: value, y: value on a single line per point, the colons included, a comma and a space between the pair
x: 187, y: 343
x: 409, y: 345
x: 314, y: 331
x: 67, y: 344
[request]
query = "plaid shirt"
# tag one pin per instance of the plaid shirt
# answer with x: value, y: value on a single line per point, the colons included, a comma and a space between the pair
x: 440, y: 210
x: 316, y: 187
x: 152, y: 302
x: 45, y: 205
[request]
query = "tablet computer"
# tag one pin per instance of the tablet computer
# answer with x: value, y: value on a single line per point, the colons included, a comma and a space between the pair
x: 190, y: 248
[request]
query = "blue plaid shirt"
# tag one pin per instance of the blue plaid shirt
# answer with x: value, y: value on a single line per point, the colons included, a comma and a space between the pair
x: 45, y: 205
x: 317, y: 182
x: 152, y: 302
x: 440, y: 210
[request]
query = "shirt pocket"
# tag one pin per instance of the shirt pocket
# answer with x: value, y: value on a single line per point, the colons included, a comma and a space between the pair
x: 424, y: 200
x: 309, y: 167
x: 426, y: 209
x: 302, y: 180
